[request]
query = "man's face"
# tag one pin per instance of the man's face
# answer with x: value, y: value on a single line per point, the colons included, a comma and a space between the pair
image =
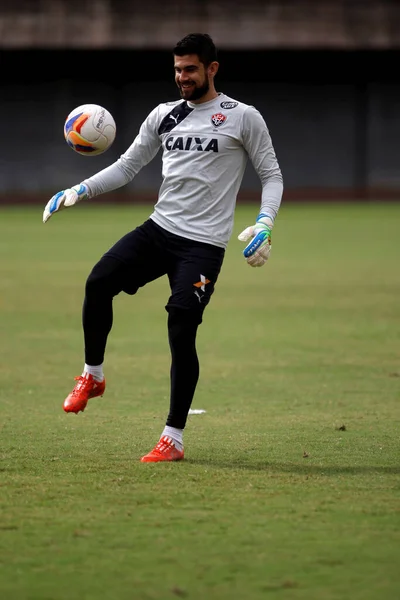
x: 191, y: 77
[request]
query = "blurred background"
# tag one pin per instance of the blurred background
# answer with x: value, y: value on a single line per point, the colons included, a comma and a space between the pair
x: 324, y: 74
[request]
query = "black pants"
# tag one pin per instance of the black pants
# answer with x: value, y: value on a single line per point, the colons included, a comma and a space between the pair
x: 141, y: 256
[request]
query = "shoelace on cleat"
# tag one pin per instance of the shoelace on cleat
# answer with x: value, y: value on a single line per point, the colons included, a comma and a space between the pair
x: 163, y: 446
x: 82, y: 381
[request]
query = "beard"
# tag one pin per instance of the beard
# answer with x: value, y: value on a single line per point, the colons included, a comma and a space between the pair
x: 197, y: 92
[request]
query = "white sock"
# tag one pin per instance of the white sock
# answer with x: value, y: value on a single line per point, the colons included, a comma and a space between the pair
x: 96, y: 371
x: 175, y: 434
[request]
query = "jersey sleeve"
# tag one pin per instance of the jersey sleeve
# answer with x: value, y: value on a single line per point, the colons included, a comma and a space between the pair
x: 258, y: 145
x: 143, y: 149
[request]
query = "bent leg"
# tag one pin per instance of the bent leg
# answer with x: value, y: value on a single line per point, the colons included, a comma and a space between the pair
x: 135, y: 260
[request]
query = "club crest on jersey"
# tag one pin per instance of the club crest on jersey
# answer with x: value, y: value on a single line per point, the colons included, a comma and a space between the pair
x: 218, y: 119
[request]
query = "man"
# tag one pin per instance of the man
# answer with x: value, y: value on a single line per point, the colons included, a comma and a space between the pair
x: 206, y: 139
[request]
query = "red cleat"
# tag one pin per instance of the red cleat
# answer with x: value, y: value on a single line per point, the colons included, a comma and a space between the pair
x: 165, y: 450
x: 86, y: 388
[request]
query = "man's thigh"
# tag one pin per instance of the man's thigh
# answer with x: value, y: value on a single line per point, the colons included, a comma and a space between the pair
x: 141, y: 251
x: 193, y: 276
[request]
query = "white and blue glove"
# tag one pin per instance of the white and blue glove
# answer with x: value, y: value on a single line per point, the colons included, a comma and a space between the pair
x: 65, y: 199
x: 258, y: 249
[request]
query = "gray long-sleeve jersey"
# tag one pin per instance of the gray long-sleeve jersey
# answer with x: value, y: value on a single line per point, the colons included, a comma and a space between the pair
x: 205, y: 150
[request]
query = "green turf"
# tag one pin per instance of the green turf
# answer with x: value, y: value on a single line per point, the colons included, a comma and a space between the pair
x: 290, y: 488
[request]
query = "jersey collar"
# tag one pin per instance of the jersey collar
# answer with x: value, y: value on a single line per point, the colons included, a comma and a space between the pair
x: 205, y: 105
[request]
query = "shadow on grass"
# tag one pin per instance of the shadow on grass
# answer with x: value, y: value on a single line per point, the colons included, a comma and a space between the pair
x: 297, y: 469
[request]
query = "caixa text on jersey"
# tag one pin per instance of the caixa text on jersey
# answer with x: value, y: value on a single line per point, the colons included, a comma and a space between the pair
x: 201, y: 144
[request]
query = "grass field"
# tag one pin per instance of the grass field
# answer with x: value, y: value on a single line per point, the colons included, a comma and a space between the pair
x: 290, y: 488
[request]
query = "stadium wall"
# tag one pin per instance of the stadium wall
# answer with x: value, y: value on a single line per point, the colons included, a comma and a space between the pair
x: 234, y: 24
x: 333, y: 116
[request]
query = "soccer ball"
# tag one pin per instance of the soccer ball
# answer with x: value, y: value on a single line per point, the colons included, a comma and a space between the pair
x: 89, y: 129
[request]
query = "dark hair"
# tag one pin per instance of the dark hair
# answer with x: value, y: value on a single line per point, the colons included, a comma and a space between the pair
x: 197, y: 43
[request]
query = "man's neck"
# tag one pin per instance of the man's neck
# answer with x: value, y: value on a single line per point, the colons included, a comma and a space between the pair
x: 211, y: 95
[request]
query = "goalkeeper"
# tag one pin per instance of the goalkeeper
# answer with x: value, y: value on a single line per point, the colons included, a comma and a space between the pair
x: 206, y: 139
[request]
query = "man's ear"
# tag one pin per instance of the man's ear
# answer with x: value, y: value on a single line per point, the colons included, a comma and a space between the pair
x: 213, y: 68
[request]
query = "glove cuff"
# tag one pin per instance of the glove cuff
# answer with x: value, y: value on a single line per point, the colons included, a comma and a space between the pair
x: 82, y: 191
x: 265, y: 219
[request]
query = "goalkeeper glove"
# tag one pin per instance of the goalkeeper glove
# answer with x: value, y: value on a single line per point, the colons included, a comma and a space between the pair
x: 65, y: 199
x: 258, y: 250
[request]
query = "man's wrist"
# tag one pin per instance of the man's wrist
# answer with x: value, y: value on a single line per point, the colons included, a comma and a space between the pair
x: 265, y: 219
x: 82, y: 191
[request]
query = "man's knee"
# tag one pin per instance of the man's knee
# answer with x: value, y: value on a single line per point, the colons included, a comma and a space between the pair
x: 182, y: 322
x: 106, y: 277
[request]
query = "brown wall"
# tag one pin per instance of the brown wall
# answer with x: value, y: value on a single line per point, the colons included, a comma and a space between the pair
x: 158, y: 24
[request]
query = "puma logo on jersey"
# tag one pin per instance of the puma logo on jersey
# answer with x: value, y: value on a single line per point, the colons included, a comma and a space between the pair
x: 171, y: 116
x: 200, y: 144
